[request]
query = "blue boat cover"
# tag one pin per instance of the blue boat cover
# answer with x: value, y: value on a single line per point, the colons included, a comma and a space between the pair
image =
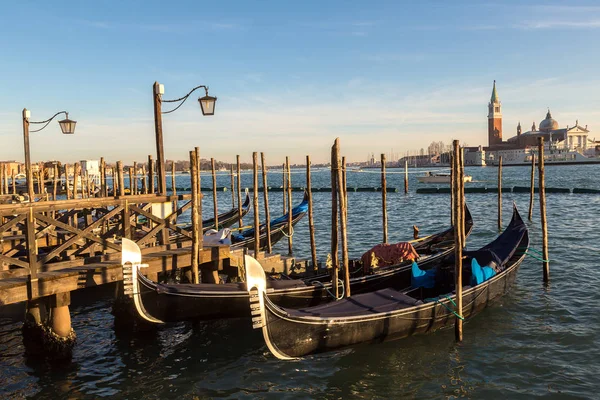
x: 480, y: 274
x: 422, y: 278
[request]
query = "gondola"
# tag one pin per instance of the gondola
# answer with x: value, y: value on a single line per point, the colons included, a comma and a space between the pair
x: 228, y: 218
x: 388, y: 314
x: 278, y: 228
x: 157, y: 302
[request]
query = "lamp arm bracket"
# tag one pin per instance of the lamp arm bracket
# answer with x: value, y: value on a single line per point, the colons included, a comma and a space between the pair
x: 47, y: 121
x: 183, y: 99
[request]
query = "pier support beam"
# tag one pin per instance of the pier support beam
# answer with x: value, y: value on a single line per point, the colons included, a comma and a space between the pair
x: 47, y: 330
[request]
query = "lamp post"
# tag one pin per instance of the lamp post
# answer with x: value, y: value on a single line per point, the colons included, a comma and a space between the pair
x: 67, y: 126
x: 207, y: 105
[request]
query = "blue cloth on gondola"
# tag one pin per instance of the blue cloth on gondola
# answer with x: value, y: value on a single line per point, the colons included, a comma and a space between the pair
x: 247, y: 233
x: 422, y: 278
x: 480, y: 274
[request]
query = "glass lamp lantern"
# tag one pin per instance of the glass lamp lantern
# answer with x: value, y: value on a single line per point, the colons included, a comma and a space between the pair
x: 67, y: 126
x: 207, y: 104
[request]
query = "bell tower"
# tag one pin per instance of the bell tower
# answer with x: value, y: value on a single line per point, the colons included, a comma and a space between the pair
x: 494, y: 119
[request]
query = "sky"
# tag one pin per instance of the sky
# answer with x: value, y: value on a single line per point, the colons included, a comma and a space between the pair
x: 290, y: 77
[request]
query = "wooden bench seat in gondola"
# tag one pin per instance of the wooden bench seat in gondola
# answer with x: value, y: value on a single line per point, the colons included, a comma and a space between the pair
x: 195, y: 288
x: 384, y: 300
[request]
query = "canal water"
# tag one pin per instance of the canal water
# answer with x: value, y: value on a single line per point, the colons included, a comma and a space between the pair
x: 536, y: 342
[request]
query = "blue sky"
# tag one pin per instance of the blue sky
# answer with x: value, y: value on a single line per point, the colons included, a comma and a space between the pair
x: 291, y: 76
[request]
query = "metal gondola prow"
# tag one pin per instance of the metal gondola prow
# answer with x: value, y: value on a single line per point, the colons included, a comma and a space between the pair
x: 131, y: 261
x: 257, y: 288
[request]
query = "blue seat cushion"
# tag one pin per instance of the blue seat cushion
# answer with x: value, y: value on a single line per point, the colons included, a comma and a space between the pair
x: 422, y: 278
x: 480, y: 274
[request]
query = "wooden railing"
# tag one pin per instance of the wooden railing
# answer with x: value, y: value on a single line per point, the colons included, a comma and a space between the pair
x: 48, y: 235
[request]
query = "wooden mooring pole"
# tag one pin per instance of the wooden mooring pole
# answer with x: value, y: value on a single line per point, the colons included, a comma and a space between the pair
x: 405, y: 176
x: 150, y: 174
x: 135, y: 178
x: 334, y: 221
x: 342, y: 217
x: 103, y: 191
x: 289, y: 201
x: 14, y: 182
x: 458, y: 226
x: 196, y: 228
x: 121, y: 174
x: 239, y: 190
x: 311, y: 222
x: 232, y: 188
x: 542, y: 189
x: 266, y: 199
x: 500, y: 194
x: 283, y: 180
x: 384, y: 199
x: 55, y: 188
x: 255, y: 203
x: 214, y: 190
x: 532, y: 186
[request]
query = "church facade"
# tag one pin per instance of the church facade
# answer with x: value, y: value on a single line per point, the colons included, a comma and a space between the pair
x: 571, y: 144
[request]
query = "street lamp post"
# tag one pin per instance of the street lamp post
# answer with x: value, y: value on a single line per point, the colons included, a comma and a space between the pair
x: 67, y: 126
x: 207, y: 105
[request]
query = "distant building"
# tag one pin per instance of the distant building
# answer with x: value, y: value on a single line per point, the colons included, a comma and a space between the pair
x: 566, y: 145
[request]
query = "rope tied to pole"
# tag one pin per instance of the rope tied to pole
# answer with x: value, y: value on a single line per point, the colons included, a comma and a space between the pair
x: 438, y: 300
x: 340, y: 283
x: 286, y: 235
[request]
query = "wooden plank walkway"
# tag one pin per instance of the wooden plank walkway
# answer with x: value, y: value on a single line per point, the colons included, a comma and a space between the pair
x: 17, y: 289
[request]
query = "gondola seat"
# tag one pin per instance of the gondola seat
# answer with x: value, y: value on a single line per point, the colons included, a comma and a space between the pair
x: 384, y: 300
x: 195, y: 288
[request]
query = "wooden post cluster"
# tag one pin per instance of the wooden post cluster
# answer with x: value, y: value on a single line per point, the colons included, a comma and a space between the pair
x: 214, y: 189
x: 266, y: 199
x: 542, y: 189
x: 459, y: 215
x: 384, y: 199
x: 289, y: 201
x: 311, y: 222
x: 500, y: 193
x: 255, y: 203
x: 532, y: 186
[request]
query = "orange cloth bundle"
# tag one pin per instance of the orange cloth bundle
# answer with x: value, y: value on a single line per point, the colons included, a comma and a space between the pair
x: 388, y: 254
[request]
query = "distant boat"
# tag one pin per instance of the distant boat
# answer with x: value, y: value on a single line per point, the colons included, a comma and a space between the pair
x: 439, y: 178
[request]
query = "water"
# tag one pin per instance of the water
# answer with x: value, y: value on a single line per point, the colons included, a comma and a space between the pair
x: 535, y: 342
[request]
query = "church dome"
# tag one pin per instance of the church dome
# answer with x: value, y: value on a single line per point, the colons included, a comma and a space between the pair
x: 548, y: 124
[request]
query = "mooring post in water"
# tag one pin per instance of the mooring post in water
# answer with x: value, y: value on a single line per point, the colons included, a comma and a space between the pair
x: 196, y: 228
x: 200, y: 197
x: 131, y: 189
x: 458, y: 226
x: 13, y: 182
x: 55, y: 179
x: 239, y: 190
x: 500, y: 193
x: 334, y: 221
x: 342, y: 218
x: 150, y: 174
x: 452, y: 179
x: 255, y: 203
x: 384, y: 199
x: 290, y: 233
x: 232, y: 188
x: 311, y: 222
x: 266, y: 199
x: 462, y: 195
x: 135, y: 178
x: 283, y: 187
x: 405, y: 177
x: 345, y: 185
x: 214, y: 190
x: 121, y: 174
x: 532, y: 185
x: 173, y: 188
x: 542, y: 188
x: 76, y: 170
x: 102, y: 177
x: 144, y: 185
